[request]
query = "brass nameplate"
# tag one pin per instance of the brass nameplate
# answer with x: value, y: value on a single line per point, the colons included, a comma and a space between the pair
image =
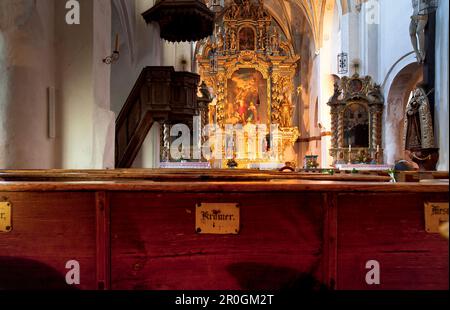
x: 435, y: 215
x: 5, y: 217
x: 217, y: 218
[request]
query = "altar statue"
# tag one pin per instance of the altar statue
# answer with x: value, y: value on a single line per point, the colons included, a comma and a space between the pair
x: 419, y: 21
x: 252, y: 117
x: 261, y: 12
x: 233, y: 41
x: 247, y: 8
x: 212, y: 114
x: 234, y: 11
x: 275, y: 40
x: 220, y: 42
x: 286, y: 113
x: 418, y: 133
x: 242, y: 109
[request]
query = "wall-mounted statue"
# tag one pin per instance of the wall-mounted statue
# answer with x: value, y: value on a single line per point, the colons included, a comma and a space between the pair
x: 418, y: 136
x: 419, y: 20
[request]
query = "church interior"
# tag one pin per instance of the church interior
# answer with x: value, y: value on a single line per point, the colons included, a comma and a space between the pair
x: 224, y: 144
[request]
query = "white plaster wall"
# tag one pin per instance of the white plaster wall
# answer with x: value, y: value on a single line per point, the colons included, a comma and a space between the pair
x: 174, y: 53
x: 103, y: 117
x: 149, y: 155
x: 39, y: 50
x: 331, y: 47
x: 369, y: 39
x: 394, y: 50
x: 442, y: 79
x: 141, y: 46
x: 26, y: 70
x: 394, y: 41
x: 350, y: 34
x: 394, y: 112
x: 83, y: 102
x: 74, y: 87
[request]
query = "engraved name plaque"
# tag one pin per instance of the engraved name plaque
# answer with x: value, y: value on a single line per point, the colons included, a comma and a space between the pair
x: 435, y: 215
x: 217, y: 218
x: 5, y: 217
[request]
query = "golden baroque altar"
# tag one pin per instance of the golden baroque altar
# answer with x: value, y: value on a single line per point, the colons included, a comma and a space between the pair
x: 249, y: 65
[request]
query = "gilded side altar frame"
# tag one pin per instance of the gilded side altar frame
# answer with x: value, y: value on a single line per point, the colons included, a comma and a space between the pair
x: 362, y: 91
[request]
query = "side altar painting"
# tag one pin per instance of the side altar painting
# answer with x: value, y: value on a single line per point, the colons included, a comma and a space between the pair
x: 249, y: 64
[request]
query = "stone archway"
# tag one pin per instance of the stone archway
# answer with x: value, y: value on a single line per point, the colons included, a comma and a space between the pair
x: 399, y: 92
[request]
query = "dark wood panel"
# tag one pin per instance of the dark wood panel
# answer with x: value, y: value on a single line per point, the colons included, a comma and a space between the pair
x: 154, y: 244
x: 103, y: 230
x: 391, y: 230
x: 48, y: 230
x: 329, y: 266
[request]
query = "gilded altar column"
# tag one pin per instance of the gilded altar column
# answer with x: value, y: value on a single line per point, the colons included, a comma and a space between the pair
x: 334, y: 128
x: 376, y: 135
x: 340, y: 136
x: 220, y: 105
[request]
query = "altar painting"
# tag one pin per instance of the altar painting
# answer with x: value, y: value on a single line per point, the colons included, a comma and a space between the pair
x: 247, y: 98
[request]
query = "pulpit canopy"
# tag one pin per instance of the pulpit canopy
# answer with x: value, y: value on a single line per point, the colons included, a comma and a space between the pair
x: 181, y: 20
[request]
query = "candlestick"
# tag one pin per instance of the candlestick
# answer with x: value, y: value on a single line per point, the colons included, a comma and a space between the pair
x: 349, y: 154
x: 114, y: 57
x: 116, y: 49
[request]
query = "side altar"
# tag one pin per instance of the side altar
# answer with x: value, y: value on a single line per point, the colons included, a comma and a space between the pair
x: 249, y: 65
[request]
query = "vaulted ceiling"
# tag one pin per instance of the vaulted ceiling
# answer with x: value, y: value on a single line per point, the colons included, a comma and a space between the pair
x: 297, y: 18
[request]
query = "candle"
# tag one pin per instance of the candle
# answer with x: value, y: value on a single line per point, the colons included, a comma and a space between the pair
x: 350, y: 148
x: 378, y: 148
x: 116, y: 49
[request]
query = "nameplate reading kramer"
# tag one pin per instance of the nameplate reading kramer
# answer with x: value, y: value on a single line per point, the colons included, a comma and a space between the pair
x: 5, y: 217
x: 435, y: 215
x: 217, y: 218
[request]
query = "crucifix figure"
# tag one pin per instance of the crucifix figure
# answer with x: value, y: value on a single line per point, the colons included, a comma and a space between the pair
x: 419, y: 20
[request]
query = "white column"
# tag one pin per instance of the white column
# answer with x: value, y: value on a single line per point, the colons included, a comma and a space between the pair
x: 83, y: 86
x: 350, y: 36
x: 369, y: 22
x: 26, y: 71
x: 328, y: 66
